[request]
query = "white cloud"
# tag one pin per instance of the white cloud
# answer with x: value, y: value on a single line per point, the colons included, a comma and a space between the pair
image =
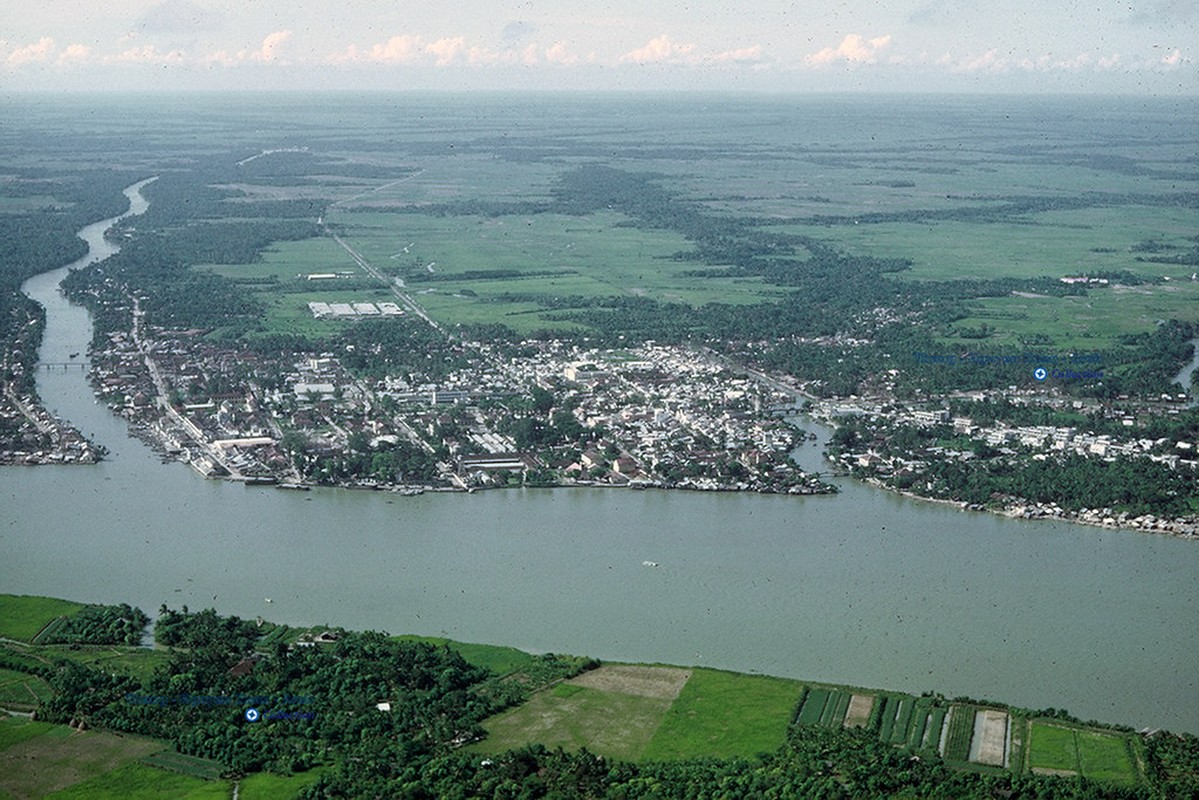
x: 75, y: 53
x: 1174, y: 59
x: 557, y: 53
x: 397, y: 50
x: 854, y: 49
x: 659, y: 50
x: 269, y: 51
x: 446, y: 49
x: 989, y: 61
x: 745, y: 55
x: 149, y: 54
x: 32, y: 53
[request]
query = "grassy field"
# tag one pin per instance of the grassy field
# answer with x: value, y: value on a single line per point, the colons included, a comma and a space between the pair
x: 724, y: 714
x: 592, y: 256
x: 139, y: 662
x: 1106, y: 757
x: 38, y: 759
x: 184, y: 764
x: 141, y: 782
x: 499, y: 659
x: 20, y: 691
x: 1099, y: 755
x: 1092, y: 322
x: 265, y: 786
x: 1057, y: 243
x: 22, y: 616
x: 650, y: 713
x: 612, y: 724
x: 1052, y: 747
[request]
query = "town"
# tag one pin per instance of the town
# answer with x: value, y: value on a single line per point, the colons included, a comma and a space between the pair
x: 557, y: 414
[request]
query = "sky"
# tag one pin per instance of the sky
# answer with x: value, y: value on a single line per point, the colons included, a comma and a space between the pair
x: 1143, y: 47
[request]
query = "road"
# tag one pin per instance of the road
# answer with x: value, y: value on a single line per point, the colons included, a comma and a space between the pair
x: 161, y: 390
x: 404, y: 298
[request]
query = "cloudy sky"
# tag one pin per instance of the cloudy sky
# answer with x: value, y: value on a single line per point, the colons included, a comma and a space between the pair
x: 1146, y: 47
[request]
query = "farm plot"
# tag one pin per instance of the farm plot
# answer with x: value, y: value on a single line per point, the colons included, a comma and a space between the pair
x: 961, y: 732
x: 20, y: 691
x: 1052, y: 750
x: 1107, y: 757
x: 1057, y: 749
x: 725, y: 714
x: 184, y: 764
x: 989, y: 741
x: 858, y: 712
x: 55, y: 757
x: 22, y: 617
x: 613, y: 711
x: 644, y: 712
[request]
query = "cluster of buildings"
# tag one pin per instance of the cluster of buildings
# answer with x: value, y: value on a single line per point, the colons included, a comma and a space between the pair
x: 29, y: 434
x: 321, y: 310
x: 645, y: 417
x: 1038, y: 442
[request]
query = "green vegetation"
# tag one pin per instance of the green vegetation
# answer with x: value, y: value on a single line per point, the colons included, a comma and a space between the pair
x: 1052, y: 747
x: 660, y: 728
x: 97, y: 625
x: 20, y: 691
x: 14, y: 730
x: 1106, y: 757
x: 499, y: 659
x: 184, y: 765
x: 725, y: 715
x: 613, y: 724
x: 812, y: 710
x: 961, y: 731
x: 1174, y: 763
x: 54, y: 757
x: 142, y: 782
x: 267, y: 786
x: 22, y: 616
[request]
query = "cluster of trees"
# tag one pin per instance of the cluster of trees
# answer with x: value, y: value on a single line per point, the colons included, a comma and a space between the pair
x: 386, y: 463
x: 218, y: 668
x: 97, y: 624
x: 1183, y: 426
x: 330, y: 690
x: 192, y: 221
x: 1125, y: 484
x: 543, y: 421
x: 44, y: 239
x: 379, y: 347
x: 1174, y: 763
x: 815, y: 762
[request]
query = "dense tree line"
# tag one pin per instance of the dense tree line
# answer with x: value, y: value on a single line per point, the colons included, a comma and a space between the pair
x: 96, y: 624
x: 1125, y: 484
x: 815, y: 762
x: 317, y: 703
x: 386, y: 463
x: 41, y: 240
x: 317, y: 706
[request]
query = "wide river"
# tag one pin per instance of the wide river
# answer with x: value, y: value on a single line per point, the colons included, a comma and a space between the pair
x: 865, y: 588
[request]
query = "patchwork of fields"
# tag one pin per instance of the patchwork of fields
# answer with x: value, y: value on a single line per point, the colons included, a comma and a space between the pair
x: 646, y: 713
x: 637, y: 713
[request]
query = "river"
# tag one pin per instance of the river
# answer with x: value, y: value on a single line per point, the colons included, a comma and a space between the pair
x: 1183, y: 378
x: 865, y: 588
